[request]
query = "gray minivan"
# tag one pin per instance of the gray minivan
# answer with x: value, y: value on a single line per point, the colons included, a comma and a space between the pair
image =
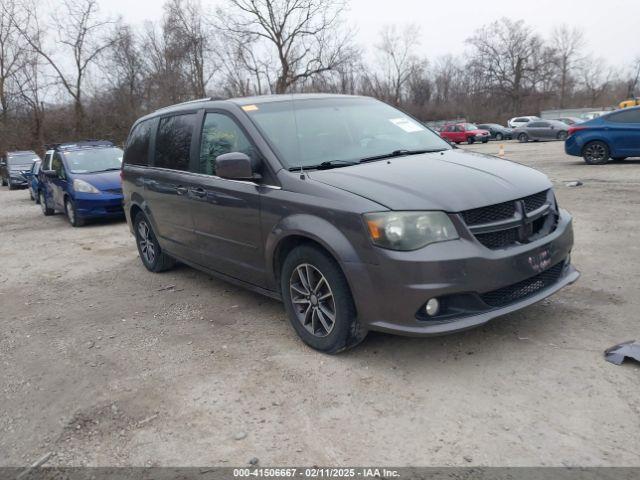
x: 351, y: 212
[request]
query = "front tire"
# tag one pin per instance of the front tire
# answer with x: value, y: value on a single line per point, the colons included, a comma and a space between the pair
x: 43, y: 205
x: 523, y: 138
x: 72, y: 214
x: 596, y: 153
x: 471, y: 140
x: 151, y: 254
x: 318, y: 301
x: 499, y: 137
x: 562, y: 136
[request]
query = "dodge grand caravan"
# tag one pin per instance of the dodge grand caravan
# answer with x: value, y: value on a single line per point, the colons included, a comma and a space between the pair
x: 352, y: 213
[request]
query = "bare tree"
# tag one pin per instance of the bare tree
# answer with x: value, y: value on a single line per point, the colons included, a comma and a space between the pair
x: 503, y: 56
x: 596, y: 78
x: 186, y: 24
x: 567, y: 44
x: 11, y: 50
x: 302, y: 36
x: 30, y: 86
x: 82, y: 33
x: 634, y: 80
x: 397, y: 60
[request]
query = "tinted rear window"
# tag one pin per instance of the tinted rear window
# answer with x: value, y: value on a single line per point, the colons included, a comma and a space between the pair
x: 173, y: 141
x: 137, y: 150
x: 625, y: 116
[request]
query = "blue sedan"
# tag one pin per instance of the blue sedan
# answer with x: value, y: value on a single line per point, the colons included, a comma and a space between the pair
x: 613, y: 136
x: 83, y: 181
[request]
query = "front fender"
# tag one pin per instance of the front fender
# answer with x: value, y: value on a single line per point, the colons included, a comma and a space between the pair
x: 313, y: 228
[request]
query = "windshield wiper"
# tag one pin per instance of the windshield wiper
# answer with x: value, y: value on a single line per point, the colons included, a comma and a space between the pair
x: 399, y: 153
x: 324, y: 165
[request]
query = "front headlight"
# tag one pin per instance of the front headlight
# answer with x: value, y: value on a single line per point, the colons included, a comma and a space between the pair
x: 409, y: 230
x: 84, y: 187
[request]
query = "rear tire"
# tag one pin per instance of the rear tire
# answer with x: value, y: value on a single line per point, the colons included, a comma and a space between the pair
x: 10, y: 184
x: 152, y: 256
x: 43, y: 204
x: 499, y: 137
x: 596, y: 153
x: 523, y: 138
x: 4, y: 182
x: 318, y: 301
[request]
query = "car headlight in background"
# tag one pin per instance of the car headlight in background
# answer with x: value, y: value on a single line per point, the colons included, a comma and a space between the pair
x: 409, y: 230
x: 84, y: 187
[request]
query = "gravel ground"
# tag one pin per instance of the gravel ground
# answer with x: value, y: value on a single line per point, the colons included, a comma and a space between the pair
x: 105, y: 364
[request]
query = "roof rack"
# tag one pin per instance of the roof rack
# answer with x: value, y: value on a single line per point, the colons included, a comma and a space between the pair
x: 198, y: 100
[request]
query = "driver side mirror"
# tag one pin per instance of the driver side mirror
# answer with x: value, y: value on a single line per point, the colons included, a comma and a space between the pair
x: 50, y: 173
x: 236, y: 166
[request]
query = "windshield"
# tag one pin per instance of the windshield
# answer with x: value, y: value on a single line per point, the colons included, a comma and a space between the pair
x: 21, y: 162
x: 470, y: 127
x: 340, y: 130
x: 94, y: 160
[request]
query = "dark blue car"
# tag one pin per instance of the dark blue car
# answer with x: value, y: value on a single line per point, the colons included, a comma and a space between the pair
x: 82, y: 180
x: 613, y: 136
x: 33, y: 182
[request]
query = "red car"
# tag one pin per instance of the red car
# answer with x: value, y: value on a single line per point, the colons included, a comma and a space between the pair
x: 464, y: 132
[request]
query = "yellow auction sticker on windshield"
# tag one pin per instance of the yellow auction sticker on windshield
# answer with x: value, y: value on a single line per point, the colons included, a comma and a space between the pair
x: 250, y: 108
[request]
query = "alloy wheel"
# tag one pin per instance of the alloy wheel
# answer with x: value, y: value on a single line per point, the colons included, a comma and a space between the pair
x: 146, y: 242
x: 312, y: 300
x: 595, y: 152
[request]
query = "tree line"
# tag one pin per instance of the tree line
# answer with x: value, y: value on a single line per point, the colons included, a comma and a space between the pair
x: 75, y: 73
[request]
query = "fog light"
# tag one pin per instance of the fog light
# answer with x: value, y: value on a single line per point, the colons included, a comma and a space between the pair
x: 432, y: 307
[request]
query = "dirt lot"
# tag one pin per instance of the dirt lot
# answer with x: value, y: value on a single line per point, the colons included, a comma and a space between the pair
x: 106, y: 364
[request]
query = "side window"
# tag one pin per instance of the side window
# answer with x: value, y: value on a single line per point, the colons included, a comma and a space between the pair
x: 46, y: 165
x: 535, y: 124
x: 220, y: 135
x: 137, y: 149
x: 58, y: 166
x: 626, y: 116
x: 173, y: 141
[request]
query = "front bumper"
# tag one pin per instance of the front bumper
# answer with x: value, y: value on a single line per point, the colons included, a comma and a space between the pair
x: 390, y: 295
x: 102, y: 205
x: 17, y: 181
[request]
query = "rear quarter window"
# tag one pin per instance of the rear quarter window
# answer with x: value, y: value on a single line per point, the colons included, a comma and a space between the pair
x: 626, y: 116
x: 173, y: 141
x: 137, y: 148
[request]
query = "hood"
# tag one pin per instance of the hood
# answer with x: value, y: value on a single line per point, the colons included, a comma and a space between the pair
x: 451, y: 181
x: 102, y: 180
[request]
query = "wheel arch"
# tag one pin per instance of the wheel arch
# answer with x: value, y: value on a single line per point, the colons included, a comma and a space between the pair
x: 306, y: 229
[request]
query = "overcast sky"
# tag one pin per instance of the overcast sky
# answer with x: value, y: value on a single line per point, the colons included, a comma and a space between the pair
x: 612, y: 27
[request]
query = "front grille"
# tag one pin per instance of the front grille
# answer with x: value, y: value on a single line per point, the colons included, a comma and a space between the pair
x: 499, y: 239
x: 534, y: 202
x: 521, y: 290
x: 517, y: 228
x: 493, y: 213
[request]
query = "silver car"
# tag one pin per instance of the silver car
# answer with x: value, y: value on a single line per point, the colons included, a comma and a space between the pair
x: 542, y: 130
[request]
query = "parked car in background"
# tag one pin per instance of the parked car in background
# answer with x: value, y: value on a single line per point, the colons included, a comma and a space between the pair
x: 520, y: 121
x: 634, y: 102
x: 464, y: 132
x: 613, y: 136
x: 541, y: 130
x: 352, y: 213
x: 497, y: 132
x: 570, y: 120
x: 13, y: 166
x: 83, y: 181
x: 33, y: 180
x: 591, y: 115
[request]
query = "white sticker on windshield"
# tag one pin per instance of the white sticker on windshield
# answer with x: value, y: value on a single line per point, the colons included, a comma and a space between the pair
x: 406, y: 125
